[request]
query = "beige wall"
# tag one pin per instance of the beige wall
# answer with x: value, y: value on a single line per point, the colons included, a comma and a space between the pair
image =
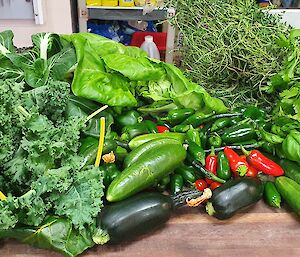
x: 57, y: 18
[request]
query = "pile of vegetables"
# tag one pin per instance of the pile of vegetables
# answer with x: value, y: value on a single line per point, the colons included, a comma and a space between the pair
x: 229, y: 47
x: 99, y: 143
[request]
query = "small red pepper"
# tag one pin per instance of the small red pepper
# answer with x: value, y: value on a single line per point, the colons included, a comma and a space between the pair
x: 211, y: 163
x: 256, y: 159
x: 237, y: 164
x: 162, y: 129
x: 200, y: 184
x: 215, y: 185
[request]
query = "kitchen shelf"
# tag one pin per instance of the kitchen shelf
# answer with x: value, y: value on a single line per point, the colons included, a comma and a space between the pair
x: 127, y: 13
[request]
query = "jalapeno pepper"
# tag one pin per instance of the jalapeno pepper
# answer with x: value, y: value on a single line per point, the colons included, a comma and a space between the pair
x: 237, y: 164
x: 131, y: 117
x: 181, y: 128
x: 152, y: 127
x: 176, y: 184
x: 110, y: 173
x: 215, y: 140
x: 132, y: 131
x: 187, y: 173
x: 223, y: 168
x: 179, y: 115
x: 259, y: 161
x: 211, y: 163
x: 192, y: 135
x: 271, y: 195
x: 221, y: 123
x: 239, y: 133
x: 196, y: 119
x: 196, y: 152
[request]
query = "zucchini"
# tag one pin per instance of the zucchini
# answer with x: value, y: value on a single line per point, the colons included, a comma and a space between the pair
x: 152, y: 166
x: 136, y: 153
x: 139, y: 214
x: 290, y: 192
x: 234, y: 195
x: 139, y: 140
x: 291, y: 169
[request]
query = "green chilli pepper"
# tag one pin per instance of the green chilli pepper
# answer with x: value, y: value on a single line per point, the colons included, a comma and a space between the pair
x: 271, y: 195
x: 152, y: 128
x: 215, y: 140
x: 187, y: 173
x: 223, y: 168
x: 176, y: 184
x: 192, y: 135
x: 196, y: 152
x: 177, y: 116
x: 181, y: 128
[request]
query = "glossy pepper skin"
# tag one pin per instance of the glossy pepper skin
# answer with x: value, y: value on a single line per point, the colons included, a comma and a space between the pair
x: 129, y: 118
x: 259, y: 161
x: 192, y: 135
x: 179, y: 115
x: 176, y: 184
x: 215, y: 140
x: 211, y: 163
x: 237, y: 164
x: 223, y: 168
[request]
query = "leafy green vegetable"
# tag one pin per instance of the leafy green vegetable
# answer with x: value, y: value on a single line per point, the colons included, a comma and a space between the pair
x: 291, y: 146
x: 229, y: 47
x: 6, y: 44
x: 113, y: 76
x: 54, y: 233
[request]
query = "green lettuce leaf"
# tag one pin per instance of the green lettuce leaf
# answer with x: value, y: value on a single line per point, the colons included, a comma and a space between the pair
x: 91, y: 81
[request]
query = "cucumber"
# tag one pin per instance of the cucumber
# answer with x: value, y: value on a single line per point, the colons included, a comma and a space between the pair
x: 234, y: 195
x: 139, y: 140
x: 152, y: 166
x: 290, y: 192
x: 136, y: 153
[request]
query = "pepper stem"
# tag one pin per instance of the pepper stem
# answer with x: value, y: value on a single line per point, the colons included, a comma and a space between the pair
x: 212, y: 153
x: 245, y: 152
x: 242, y: 170
x: 207, y: 194
x: 210, y: 209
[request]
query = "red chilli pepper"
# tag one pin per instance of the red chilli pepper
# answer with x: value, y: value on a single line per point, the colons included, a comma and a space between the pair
x: 237, y: 164
x: 215, y: 185
x: 256, y: 159
x: 162, y: 129
x: 211, y: 163
x: 252, y: 172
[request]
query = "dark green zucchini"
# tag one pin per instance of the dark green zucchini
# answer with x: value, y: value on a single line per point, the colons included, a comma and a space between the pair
x: 234, y: 195
x: 139, y: 214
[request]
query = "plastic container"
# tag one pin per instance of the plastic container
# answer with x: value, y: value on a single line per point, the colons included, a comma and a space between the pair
x: 126, y: 3
x: 109, y: 2
x: 150, y: 47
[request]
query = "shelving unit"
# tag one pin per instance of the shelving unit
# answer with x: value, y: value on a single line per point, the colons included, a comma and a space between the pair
x: 126, y: 13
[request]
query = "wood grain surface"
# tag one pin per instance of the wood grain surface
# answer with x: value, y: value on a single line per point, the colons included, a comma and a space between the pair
x: 260, y: 231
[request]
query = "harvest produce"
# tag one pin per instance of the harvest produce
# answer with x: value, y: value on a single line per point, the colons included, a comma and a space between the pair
x: 232, y: 50
x: 99, y: 143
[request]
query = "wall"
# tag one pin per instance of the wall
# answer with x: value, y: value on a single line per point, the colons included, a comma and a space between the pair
x: 58, y: 19
x: 291, y: 16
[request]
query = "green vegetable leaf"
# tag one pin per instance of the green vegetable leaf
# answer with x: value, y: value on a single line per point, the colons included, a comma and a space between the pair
x: 83, y: 200
x: 55, y: 233
x: 6, y: 43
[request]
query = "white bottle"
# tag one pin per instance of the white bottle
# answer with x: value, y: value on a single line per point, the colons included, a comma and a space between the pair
x: 150, y: 47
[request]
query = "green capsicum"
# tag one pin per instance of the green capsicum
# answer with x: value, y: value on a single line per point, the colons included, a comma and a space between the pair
x: 215, y: 140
